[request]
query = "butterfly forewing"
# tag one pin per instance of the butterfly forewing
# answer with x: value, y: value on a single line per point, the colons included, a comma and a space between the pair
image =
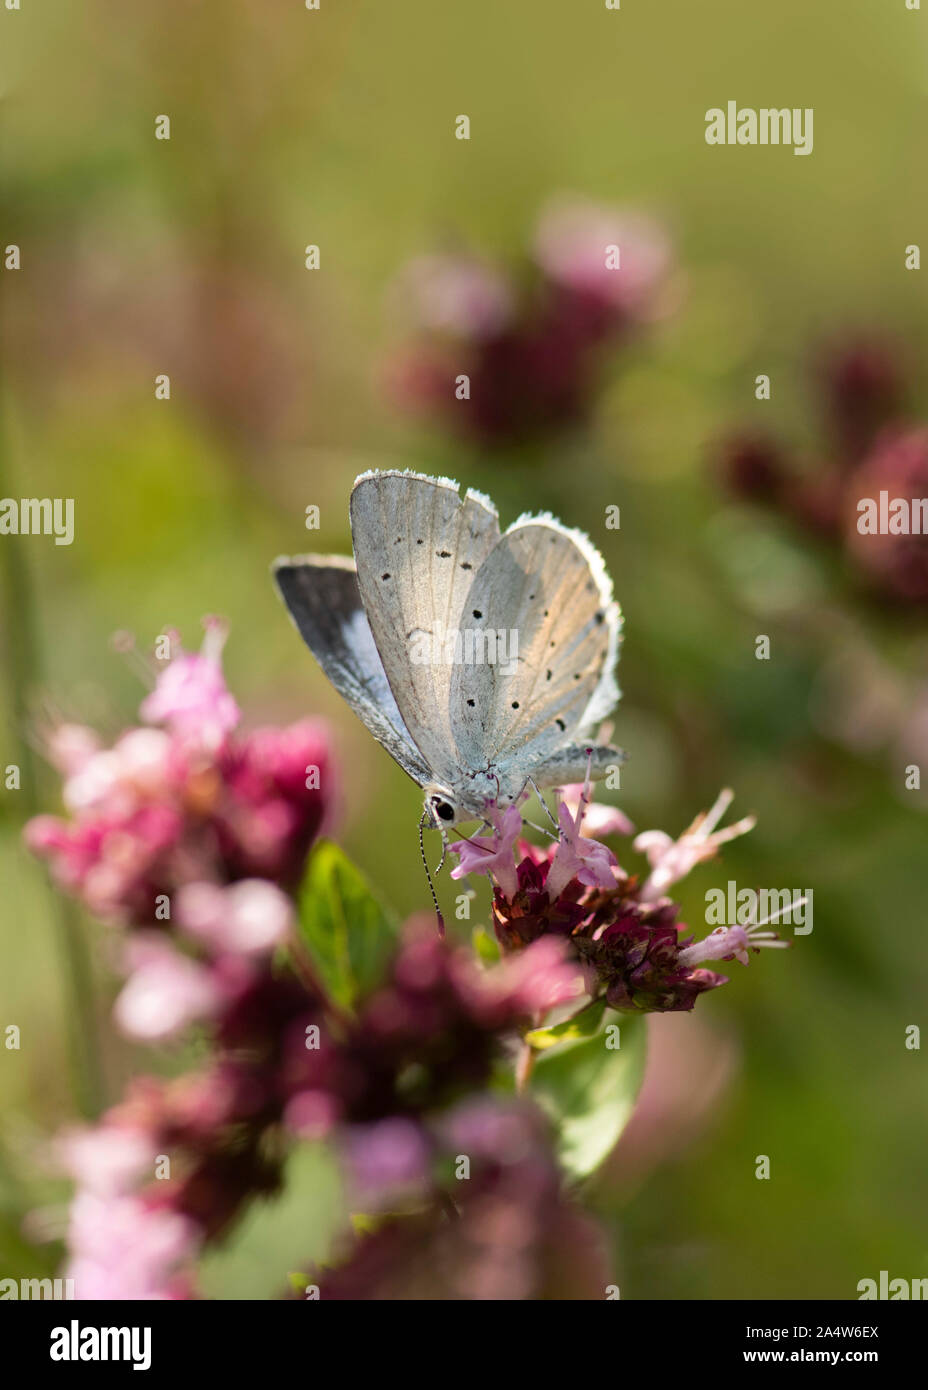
x: 418, y: 545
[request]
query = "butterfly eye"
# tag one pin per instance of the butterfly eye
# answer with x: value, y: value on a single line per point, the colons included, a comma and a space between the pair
x: 443, y: 810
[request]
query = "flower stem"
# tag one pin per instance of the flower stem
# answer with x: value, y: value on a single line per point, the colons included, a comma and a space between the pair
x: 22, y: 674
x: 525, y: 1065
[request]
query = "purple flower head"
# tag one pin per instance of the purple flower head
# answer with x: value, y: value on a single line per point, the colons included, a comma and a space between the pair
x: 635, y: 953
x: 528, y: 344
x: 622, y: 929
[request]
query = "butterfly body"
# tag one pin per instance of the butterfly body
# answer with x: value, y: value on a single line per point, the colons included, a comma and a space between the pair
x: 433, y: 574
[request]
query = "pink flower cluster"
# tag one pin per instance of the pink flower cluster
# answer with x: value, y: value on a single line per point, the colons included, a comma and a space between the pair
x: 188, y: 802
x: 173, y: 1165
x: 206, y: 912
x: 623, y: 928
x: 530, y: 352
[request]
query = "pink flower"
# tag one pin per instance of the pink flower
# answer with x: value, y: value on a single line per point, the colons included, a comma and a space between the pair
x: 457, y: 295
x: 71, y: 746
x: 598, y: 819
x: 107, y: 1159
x: 589, y: 861
x: 492, y: 854
x: 191, y: 696
x: 311, y: 1114
x: 734, y: 943
x: 250, y: 917
x: 163, y: 808
x: 165, y: 991
x: 139, y: 766
x: 572, y: 244
x: 125, y: 1248
x: 671, y: 860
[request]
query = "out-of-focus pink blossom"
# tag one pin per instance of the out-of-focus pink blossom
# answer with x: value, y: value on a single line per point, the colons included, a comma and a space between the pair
x: 163, y: 808
x: 71, y: 746
x: 574, y: 244
x: 140, y: 766
x: 895, y: 557
x: 126, y: 1248
x: 457, y: 295
x: 250, y: 917
x: 191, y: 696
x: 536, y: 980
x: 387, y: 1161
x: 528, y: 344
x: 311, y: 1114
x: 109, y: 1158
x: 165, y: 991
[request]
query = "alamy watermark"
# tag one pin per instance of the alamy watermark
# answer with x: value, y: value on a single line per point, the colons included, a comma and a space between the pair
x: 37, y: 1290
x: 768, y: 125
x: 38, y: 516
x: 892, y: 1289
x: 745, y: 907
x: 471, y: 646
x: 882, y: 516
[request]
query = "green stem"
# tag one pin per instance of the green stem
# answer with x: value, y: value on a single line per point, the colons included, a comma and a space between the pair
x: 525, y: 1065
x: 22, y: 676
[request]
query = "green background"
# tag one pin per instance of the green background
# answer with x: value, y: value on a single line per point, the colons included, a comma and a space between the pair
x: 336, y: 127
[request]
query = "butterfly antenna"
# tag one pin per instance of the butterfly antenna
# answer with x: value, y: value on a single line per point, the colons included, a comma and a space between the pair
x: 425, y: 865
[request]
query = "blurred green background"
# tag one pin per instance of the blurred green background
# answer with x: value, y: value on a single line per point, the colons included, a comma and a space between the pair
x: 336, y: 127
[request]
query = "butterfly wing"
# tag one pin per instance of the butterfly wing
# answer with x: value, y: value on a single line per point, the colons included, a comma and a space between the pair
x: 570, y: 764
x: 418, y: 544
x: 323, y: 599
x: 548, y: 586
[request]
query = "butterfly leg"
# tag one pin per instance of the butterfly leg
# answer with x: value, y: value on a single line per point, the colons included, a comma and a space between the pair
x: 530, y: 782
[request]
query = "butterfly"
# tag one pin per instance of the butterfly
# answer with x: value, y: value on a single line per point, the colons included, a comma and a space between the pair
x: 410, y: 631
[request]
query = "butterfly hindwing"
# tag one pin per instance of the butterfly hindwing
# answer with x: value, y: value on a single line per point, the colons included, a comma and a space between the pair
x: 547, y: 589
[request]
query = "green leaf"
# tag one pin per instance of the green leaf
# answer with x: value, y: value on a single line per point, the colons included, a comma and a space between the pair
x: 580, y: 1025
x: 262, y: 1253
x: 486, y: 946
x: 588, y: 1088
x: 346, y: 930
